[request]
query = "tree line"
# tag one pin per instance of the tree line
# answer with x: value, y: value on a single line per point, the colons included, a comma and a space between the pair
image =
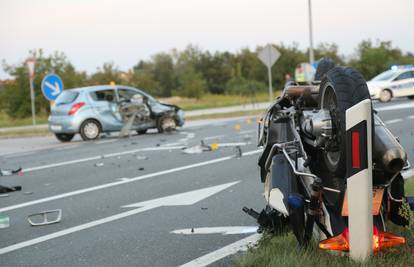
x: 191, y: 72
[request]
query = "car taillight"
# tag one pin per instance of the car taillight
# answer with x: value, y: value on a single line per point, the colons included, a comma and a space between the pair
x: 75, y: 108
x: 379, y: 239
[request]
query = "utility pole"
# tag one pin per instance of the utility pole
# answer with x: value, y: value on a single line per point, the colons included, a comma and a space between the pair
x: 311, y: 55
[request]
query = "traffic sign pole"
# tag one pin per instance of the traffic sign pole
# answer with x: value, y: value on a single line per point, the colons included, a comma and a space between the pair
x: 269, y: 55
x: 269, y: 71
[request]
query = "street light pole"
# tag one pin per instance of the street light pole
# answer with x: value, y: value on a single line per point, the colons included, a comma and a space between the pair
x: 311, y: 55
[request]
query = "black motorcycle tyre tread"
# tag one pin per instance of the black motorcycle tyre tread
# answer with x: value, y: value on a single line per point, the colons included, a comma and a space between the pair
x: 350, y: 88
x: 325, y: 65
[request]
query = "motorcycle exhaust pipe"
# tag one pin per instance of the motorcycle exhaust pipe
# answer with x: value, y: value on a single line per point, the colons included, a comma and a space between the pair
x: 387, y: 150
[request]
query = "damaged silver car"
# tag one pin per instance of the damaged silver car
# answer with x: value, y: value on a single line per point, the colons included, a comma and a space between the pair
x: 93, y: 110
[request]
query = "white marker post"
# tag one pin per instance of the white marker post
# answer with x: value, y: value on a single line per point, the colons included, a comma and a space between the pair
x: 30, y: 63
x: 359, y: 179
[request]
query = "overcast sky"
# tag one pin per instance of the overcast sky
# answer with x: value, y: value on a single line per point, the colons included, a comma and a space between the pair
x: 91, y: 32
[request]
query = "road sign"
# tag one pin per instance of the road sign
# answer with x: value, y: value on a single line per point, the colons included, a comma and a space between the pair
x: 52, y: 86
x: 269, y: 55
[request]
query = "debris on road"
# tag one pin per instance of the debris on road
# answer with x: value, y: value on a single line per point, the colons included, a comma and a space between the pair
x: 8, y: 172
x: 4, y: 195
x: 4, y: 221
x: 6, y: 189
x: 99, y: 164
x: 44, y: 220
x: 28, y: 193
x: 139, y: 157
x: 238, y: 151
x: 141, y: 169
x: 237, y: 127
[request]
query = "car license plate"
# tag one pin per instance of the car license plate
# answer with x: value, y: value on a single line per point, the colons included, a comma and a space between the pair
x: 56, y: 127
x: 377, y: 194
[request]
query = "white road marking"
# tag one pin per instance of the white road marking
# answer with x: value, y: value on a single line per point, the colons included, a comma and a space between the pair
x: 231, y: 249
x: 214, y: 137
x: 396, y: 107
x: 70, y: 162
x: 248, y: 131
x: 123, y: 181
x: 182, y: 199
x: 227, y: 230
x: 392, y: 121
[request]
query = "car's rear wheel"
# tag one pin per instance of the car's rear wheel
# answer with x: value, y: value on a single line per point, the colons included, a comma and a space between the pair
x: 64, y: 137
x: 385, y: 95
x: 166, y: 124
x: 90, y: 130
x: 341, y: 88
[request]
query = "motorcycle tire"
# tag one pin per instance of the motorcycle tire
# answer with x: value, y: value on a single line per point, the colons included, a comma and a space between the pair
x: 325, y: 65
x: 340, y: 89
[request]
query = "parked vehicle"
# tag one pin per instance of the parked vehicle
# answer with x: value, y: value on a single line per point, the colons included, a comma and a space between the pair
x: 93, y: 110
x: 307, y: 157
x: 396, y: 82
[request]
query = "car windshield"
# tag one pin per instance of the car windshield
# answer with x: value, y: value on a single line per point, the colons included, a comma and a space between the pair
x: 66, y: 97
x: 387, y: 75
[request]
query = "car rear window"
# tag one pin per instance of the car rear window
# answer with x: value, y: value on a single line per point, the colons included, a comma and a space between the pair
x: 67, y: 97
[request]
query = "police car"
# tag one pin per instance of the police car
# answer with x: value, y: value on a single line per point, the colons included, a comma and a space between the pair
x: 396, y: 82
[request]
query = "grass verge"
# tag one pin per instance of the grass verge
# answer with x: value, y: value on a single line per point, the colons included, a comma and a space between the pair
x: 25, y: 133
x: 283, y: 251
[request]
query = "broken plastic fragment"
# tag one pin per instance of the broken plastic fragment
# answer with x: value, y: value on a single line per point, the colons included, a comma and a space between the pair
x: 10, y: 172
x: 99, y: 164
x: 4, y: 221
x: 43, y: 217
x: 28, y: 193
x: 141, y: 169
x: 138, y: 157
x: 238, y: 152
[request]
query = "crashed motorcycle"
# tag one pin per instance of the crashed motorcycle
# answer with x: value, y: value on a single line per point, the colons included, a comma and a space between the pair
x: 303, y: 165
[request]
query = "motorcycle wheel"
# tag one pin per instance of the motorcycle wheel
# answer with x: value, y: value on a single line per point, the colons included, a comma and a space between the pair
x: 325, y: 65
x: 340, y: 89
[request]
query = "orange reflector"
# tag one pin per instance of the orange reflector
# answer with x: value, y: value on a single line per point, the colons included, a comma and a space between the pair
x: 380, y: 240
x: 377, y: 195
x: 237, y: 127
x: 214, y: 146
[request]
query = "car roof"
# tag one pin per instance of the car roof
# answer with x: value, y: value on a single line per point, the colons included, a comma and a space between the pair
x: 103, y: 87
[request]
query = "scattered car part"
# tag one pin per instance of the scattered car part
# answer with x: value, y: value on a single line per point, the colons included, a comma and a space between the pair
x: 44, y: 217
x: 4, y: 221
x: 7, y: 172
x: 7, y: 189
x: 166, y: 123
x: 99, y: 164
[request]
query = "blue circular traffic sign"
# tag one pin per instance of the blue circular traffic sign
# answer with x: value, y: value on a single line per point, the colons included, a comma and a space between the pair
x: 52, y: 86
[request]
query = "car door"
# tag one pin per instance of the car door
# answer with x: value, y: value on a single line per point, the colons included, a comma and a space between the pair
x: 125, y: 95
x: 105, y: 106
x: 403, y: 84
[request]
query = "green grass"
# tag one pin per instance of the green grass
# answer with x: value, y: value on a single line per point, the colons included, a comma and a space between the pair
x: 215, y: 101
x: 25, y: 133
x: 6, y: 121
x: 283, y: 250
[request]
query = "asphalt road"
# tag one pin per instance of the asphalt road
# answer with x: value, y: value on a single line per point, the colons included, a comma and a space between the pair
x: 119, y: 196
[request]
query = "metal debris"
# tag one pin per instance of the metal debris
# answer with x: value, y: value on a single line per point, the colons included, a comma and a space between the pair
x: 238, y: 151
x: 99, y: 164
x: 44, y: 217
x: 9, y: 172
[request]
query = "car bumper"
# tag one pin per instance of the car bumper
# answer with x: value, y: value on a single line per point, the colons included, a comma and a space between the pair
x: 64, y: 124
x: 180, y: 118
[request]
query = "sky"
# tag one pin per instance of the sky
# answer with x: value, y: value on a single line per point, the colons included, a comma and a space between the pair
x: 91, y: 32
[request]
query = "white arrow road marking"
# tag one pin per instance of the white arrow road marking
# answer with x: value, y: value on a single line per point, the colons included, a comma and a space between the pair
x: 123, y: 181
x: 182, y: 199
x: 55, y: 88
x: 231, y: 249
x: 228, y: 230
